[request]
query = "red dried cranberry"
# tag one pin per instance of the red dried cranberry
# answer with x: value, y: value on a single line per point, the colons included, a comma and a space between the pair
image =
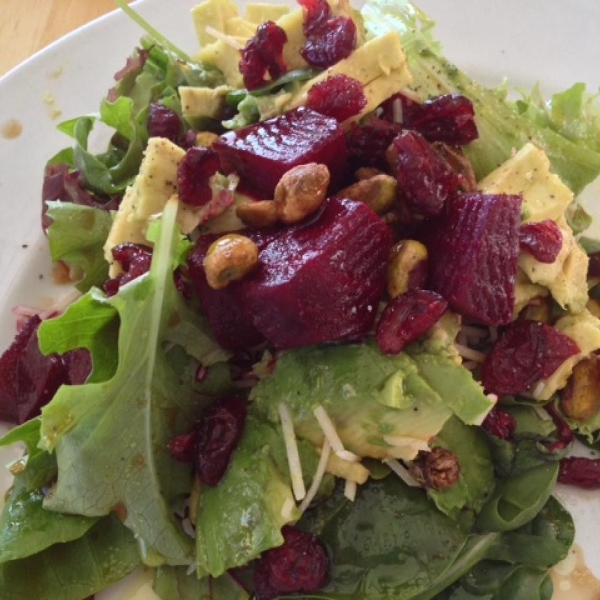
x: 543, y: 240
x: 328, y: 39
x: 580, y: 472
x: 407, y: 317
x: 217, y: 435
x: 300, y: 565
x: 263, y: 53
x: 135, y: 259
x: 401, y: 109
x: 195, y: 170
x: 564, y: 433
x: 424, y: 178
x: 369, y: 141
x: 164, y: 122
x: 338, y: 96
x: 181, y: 446
x: 500, y: 423
x: 525, y: 353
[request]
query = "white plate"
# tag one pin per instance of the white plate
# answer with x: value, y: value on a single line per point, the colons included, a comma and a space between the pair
x: 551, y: 41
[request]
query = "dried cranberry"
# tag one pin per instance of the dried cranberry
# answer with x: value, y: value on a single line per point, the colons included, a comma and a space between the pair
x: 135, y: 259
x: 338, y: 96
x: 263, y: 53
x: 424, y: 178
x: 525, y: 353
x: 401, y: 109
x: 543, y: 240
x: 564, y: 433
x: 217, y: 435
x: 500, y: 423
x: 300, y: 565
x: 181, y: 446
x: 407, y: 317
x: 580, y: 472
x: 369, y: 141
x: 164, y: 122
x: 328, y: 39
x: 195, y: 170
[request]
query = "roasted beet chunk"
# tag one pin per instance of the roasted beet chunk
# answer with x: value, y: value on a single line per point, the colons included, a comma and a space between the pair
x: 329, y: 39
x: 338, y: 96
x: 321, y: 282
x: 193, y: 175
x: 407, y: 317
x: 28, y: 379
x: 525, y: 353
x: 425, y: 179
x: 135, y: 259
x: 300, y: 565
x: 473, y: 249
x: 216, y: 437
x: 164, y: 122
x: 263, y: 54
x: 262, y: 153
x: 543, y: 240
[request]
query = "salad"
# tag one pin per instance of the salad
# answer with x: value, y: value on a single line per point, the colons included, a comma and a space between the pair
x: 337, y: 327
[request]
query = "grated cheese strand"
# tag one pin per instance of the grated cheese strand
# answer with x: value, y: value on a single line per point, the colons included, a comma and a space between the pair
x: 469, y: 353
x: 348, y: 456
x: 350, y: 490
x: 226, y: 39
x: 319, y: 474
x: 401, y: 471
x: 329, y: 429
x: 293, y: 456
x: 403, y: 440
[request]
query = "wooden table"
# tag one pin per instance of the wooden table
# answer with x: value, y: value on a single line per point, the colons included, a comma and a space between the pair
x: 27, y: 26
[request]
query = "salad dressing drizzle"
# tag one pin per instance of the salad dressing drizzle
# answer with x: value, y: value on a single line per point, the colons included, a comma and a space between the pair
x: 11, y: 129
x: 573, y: 580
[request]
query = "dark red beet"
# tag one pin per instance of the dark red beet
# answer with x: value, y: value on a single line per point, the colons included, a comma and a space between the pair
x: 195, y: 170
x: 449, y: 119
x: 424, y: 178
x: 525, y: 353
x: 580, y: 472
x: 339, y: 96
x: 263, y: 53
x: 328, y: 39
x: 136, y: 259
x: 369, y: 141
x: 500, y: 423
x: 321, y: 282
x: 473, y: 252
x: 28, y: 379
x: 407, y: 317
x: 231, y: 326
x: 300, y: 565
x: 543, y: 240
x: 217, y: 435
x: 263, y: 152
x: 164, y: 122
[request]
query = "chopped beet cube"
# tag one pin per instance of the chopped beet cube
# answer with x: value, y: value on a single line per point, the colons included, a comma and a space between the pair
x: 473, y: 249
x: 525, y: 353
x: 28, y: 379
x: 262, y: 153
x: 321, y: 281
x: 425, y: 179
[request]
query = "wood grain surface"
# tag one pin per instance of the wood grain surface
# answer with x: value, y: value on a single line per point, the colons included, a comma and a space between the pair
x: 27, y: 26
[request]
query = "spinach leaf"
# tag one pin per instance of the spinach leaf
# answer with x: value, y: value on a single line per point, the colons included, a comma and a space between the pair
x: 174, y: 583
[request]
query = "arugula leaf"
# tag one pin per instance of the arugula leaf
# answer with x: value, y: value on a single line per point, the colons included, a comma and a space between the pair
x: 111, y: 437
x: 76, y: 236
x: 74, y: 570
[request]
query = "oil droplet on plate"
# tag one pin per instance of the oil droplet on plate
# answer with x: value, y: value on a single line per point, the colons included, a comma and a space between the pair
x: 573, y: 580
x: 11, y: 129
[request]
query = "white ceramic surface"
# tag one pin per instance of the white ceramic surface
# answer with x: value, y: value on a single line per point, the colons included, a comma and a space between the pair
x: 552, y: 41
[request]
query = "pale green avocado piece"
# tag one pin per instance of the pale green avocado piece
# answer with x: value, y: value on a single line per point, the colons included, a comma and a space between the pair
x: 584, y: 329
x: 528, y: 173
x: 257, y: 12
x: 381, y: 406
x: 202, y: 102
x: 215, y: 14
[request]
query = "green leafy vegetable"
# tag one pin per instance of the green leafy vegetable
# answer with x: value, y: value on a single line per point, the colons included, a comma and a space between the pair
x: 174, y: 583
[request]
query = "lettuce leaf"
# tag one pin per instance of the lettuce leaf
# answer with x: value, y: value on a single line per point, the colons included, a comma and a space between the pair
x: 111, y: 436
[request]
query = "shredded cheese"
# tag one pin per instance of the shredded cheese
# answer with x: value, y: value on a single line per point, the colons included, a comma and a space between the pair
x: 293, y: 456
x: 350, y: 490
x: 226, y: 39
x: 401, y: 471
x: 319, y: 473
x: 348, y: 456
x: 397, y: 115
x: 329, y: 430
x: 469, y: 353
